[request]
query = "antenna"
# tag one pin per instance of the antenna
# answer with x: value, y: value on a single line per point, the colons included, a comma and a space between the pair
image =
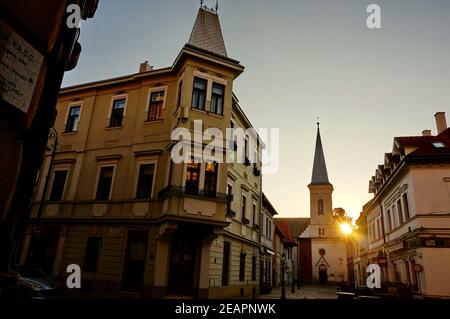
x: 217, y: 6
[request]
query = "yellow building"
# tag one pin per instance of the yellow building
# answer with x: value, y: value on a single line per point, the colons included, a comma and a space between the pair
x: 118, y: 206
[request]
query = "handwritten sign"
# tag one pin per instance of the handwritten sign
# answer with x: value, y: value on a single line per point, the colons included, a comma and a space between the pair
x: 20, y: 65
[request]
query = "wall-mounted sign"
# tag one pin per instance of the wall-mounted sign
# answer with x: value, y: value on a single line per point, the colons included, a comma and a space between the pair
x: 20, y: 64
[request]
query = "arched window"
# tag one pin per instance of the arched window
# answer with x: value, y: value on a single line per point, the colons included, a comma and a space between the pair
x: 320, y: 207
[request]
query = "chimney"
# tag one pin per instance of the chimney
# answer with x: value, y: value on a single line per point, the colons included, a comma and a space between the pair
x: 145, y: 67
x: 441, y: 122
x: 426, y: 133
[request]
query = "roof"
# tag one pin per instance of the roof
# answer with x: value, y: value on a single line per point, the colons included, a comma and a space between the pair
x: 207, y: 33
x: 319, y: 174
x: 268, y: 205
x: 295, y: 225
x: 283, y: 229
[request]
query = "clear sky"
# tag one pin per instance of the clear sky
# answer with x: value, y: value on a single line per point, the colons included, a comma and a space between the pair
x: 303, y: 59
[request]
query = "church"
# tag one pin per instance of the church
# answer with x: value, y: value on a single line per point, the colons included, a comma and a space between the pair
x: 322, y: 246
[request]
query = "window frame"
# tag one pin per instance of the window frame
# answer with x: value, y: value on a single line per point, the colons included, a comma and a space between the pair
x: 194, y: 89
x: 138, y: 170
x: 123, y: 96
x: 98, y: 180
x: 152, y: 91
x: 215, y: 98
x: 98, y: 256
x: 69, y: 108
x: 199, y: 170
x: 242, y: 258
x: 49, y: 197
x: 216, y: 177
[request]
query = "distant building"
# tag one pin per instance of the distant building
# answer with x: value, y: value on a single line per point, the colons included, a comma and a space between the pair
x: 135, y: 221
x: 407, y: 222
x: 322, y: 253
x: 268, y: 252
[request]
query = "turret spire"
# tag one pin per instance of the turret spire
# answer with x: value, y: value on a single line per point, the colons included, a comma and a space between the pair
x: 319, y: 174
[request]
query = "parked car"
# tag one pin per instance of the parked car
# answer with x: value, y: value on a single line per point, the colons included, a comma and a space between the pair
x: 35, y: 284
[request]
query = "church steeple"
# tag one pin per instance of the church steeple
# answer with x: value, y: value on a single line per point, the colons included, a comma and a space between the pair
x: 207, y: 33
x: 319, y: 174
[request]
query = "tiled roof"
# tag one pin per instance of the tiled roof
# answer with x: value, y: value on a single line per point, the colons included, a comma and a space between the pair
x: 207, y: 33
x: 291, y: 228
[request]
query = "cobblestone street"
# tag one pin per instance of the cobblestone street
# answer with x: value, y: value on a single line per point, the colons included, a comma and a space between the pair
x: 306, y: 292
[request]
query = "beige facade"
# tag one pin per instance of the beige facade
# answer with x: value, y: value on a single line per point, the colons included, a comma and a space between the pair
x: 133, y: 219
x: 408, y: 220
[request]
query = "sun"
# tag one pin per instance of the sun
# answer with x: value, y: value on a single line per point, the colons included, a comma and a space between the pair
x: 346, y: 228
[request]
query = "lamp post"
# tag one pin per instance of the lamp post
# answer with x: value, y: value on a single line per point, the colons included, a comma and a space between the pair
x: 283, y: 289
x: 52, y: 135
x: 293, y: 283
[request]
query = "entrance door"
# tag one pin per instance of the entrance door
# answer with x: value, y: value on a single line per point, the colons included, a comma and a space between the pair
x: 323, y: 274
x: 134, y: 264
x: 182, y: 267
x: 42, y: 251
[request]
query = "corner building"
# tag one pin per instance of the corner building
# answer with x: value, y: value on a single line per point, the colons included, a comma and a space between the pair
x: 118, y: 206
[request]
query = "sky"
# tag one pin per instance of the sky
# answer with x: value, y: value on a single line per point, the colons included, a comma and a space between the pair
x: 304, y: 59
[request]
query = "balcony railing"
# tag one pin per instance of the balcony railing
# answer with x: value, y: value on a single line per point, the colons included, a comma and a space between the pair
x: 178, y: 190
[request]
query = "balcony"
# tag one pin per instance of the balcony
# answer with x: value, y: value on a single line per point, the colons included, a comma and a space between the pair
x: 245, y: 221
x: 231, y: 213
x: 188, y: 191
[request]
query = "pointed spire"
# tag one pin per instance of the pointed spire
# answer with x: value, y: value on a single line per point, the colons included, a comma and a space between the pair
x: 207, y: 33
x: 320, y: 174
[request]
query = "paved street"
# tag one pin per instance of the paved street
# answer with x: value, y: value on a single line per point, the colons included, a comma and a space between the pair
x: 306, y: 292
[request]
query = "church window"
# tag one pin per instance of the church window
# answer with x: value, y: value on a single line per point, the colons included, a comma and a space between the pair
x: 320, y: 207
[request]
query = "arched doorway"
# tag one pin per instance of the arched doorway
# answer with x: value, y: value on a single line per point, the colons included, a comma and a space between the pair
x: 323, y: 274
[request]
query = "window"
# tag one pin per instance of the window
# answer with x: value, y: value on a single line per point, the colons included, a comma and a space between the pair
x: 105, y: 183
x: 321, y: 231
x: 156, y: 105
x: 226, y: 263
x: 59, y: 181
x: 406, y: 206
x: 400, y: 212
x: 242, y: 267
x: 93, y: 248
x: 211, y: 179
x: 192, y: 177
x: 438, y: 144
x: 180, y: 90
x: 254, y: 214
x: 246, y: 153
x: 388, y: 221
x: 217, y: 98
x: 73, y: 118
x: 243, y: 208
x: 253, y: 268
x: 145, y: 181
x: 117, y: 112
x: 320, y: 207
x: 269, y: 221
x: 378, y: 229
x: 230, y: 190
x: 199, y: 94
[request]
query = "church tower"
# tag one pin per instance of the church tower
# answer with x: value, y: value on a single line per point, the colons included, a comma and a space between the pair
x: 320, y: 188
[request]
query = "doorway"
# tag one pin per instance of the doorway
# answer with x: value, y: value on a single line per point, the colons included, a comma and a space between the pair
x: 182, y: 266
x: 134, y: 264
x: 42, y: 251
x: 323, y: 274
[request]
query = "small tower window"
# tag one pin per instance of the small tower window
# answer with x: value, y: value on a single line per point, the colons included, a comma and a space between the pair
x: 320, y: 207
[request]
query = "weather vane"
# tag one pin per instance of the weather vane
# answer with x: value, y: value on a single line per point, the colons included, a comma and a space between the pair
x: 213, y: 9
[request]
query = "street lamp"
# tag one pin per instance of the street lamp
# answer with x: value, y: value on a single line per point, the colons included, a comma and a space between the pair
x: 52, y: 135
x: 283, y: 289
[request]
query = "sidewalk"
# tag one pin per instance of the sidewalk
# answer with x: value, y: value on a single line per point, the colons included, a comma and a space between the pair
x: 306, y: 292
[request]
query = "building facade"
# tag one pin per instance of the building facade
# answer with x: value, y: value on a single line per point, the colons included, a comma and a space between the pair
x: 116, y: 203
x: 408, y: 221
